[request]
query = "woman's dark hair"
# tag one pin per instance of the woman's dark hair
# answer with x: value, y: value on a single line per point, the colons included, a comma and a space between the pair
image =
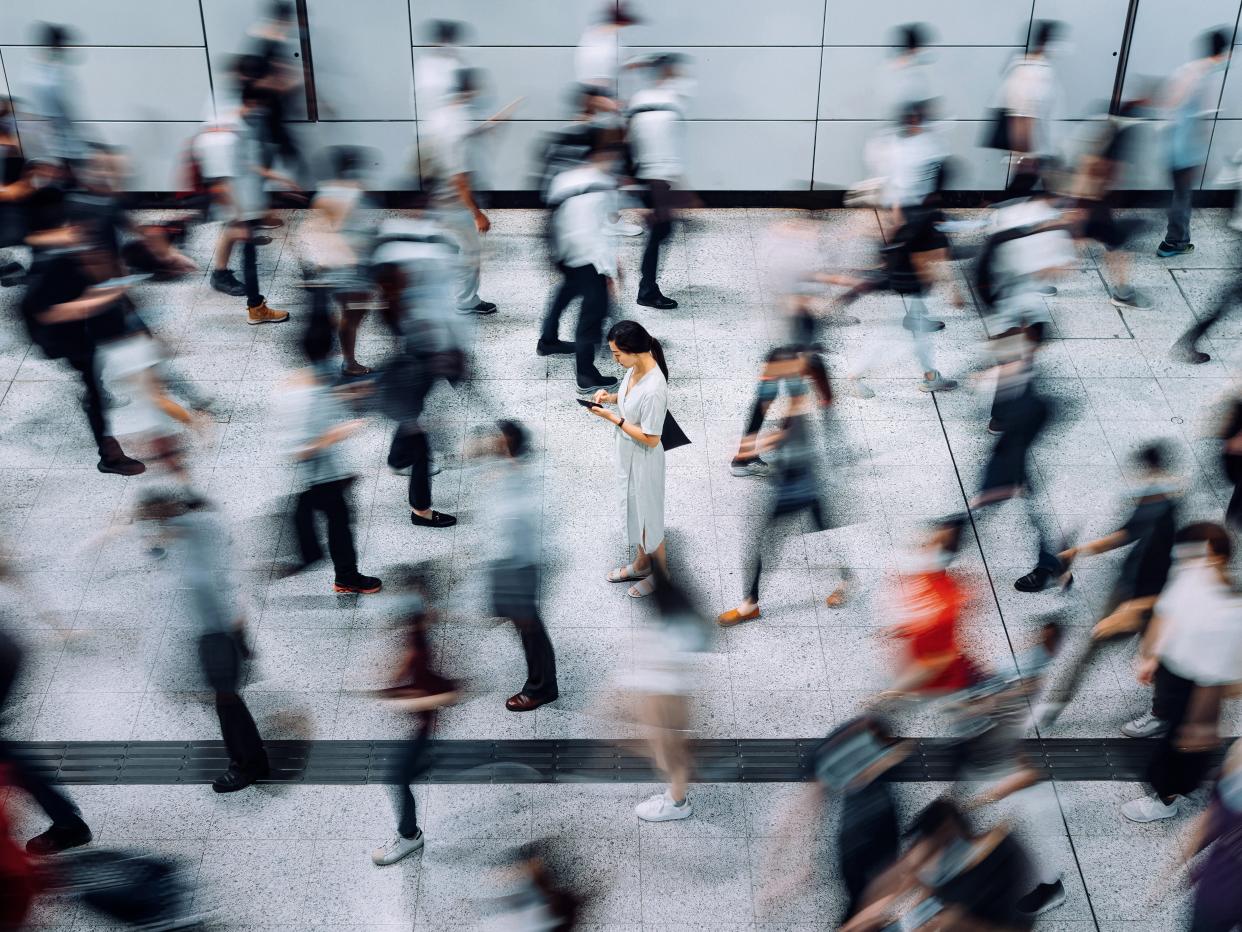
x: 912, y: 36
x: 54, y: 35
x: 938, y: 815
x: 282, y: 11
x: 632, y: 337
x: 444, y: 31
x: 1152, y: 456
x: 1046, y: 32
x: 516, y: 439
x: 1215, y: 42
x: 1210, y: 533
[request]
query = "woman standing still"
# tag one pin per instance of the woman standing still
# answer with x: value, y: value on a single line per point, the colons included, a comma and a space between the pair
x: 642, y: 402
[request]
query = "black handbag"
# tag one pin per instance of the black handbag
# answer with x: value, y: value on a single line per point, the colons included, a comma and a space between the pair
x: 996, y: 135
x: 672, y: 436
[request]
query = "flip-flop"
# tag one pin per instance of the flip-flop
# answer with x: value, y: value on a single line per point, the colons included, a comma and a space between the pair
x: 626, y: 574
x: 643, y: 588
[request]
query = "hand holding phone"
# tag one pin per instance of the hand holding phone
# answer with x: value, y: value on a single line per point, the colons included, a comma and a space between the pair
x: 588, y: 404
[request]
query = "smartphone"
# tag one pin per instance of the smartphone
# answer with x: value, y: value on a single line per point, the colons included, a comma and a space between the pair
x: 588, y: 404
x: 123, y: 282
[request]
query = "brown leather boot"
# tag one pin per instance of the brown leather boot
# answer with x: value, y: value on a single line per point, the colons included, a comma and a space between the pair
x: 113, y: 459
x: 265, y: 315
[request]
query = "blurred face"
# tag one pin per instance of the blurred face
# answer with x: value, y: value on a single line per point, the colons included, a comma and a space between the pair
x: 624, y: 360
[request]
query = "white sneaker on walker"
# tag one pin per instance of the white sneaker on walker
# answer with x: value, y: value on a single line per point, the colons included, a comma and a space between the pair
x: 661, y: 808
x: 625, y: 228
x: 400, y: 847
x: 1149, y: 809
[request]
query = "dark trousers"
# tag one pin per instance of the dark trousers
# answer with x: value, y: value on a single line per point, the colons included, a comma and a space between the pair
x: 406, y: 768
x: 515, y: 592
x: 58, y: 807
x: 86, y: 364
x: 782, y: 520
x: 1178, y: 231
x: 1174, y: 772
x: 1224, y: 304
x: 584, y: 282
x: 412, y: 441
x: 221, y: 657
x: 659, y: 230
x: 331, y: 499
x: 250, y: 265
x: 1233, y: 470
x: 540, y: 658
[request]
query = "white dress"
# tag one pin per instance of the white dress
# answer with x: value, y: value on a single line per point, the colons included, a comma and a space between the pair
x: 640, y: 468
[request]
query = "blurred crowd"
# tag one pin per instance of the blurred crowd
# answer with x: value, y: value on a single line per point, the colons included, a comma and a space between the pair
x: 77, y: 246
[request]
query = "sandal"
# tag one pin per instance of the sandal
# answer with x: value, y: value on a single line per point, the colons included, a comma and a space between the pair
x: 644, y: 587
x: 357, y: 373
x: 627, y: 574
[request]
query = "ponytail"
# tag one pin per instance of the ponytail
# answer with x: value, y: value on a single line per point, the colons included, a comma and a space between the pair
x: 658, y: 352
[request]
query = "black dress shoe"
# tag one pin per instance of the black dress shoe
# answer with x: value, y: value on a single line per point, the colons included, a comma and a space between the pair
x: 524, y: 702
x: 484, y: 308
x: 1034, y: 581
x: 235, y: 778
x: 437, y: 519
x: 554, y: 348
x: 658, y: 301
x: 1183, y: 353
x: 60, y: 838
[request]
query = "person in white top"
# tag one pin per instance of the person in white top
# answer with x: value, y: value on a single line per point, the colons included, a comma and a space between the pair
x: 908, y: 78
x: 1192, y: 651
x: 1029, y: 96
x: 437, y: 69
x: 642, y: 405
x: 597, y: 60
x: 582, y: 200
x: 656, y: 129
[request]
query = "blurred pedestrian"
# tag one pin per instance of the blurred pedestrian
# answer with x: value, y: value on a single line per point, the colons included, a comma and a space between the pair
x: 582, y: 200
x: 1191, y: 653
x: 438, y: 69
x: 315, y: 425
x: 1029, y: 93
x: 276, y: 73
x: 908, y: 78
x: 1190, y: 110
x: 514, y: 571
x: 1218, y: 832
x: 189, y: 526
x: 656, y: 128
x: 642, y: 405
x: 1231, y: 461
x: 54, y: 98
x: 597, y: 60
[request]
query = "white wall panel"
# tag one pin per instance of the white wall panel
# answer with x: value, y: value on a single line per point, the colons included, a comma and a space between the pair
x: 155, y: 150
x: 1231, y: 98
x: 840, y: 144
x: 137, y: 84
x: 1088, y: 68
x: 953, y: 22
x: 361, y: 74
x: 728, y: 22
x: 504, y: 22
x: 752, y: 83
x: 736, y: 155
x: 542, y: 75
x: 852, y: 81
x: 226, y: 22
x: 1226, y: 142
x: 1166, y: 34
x: 98, y: 22
x: 392, y: 166
x: 508, y: 154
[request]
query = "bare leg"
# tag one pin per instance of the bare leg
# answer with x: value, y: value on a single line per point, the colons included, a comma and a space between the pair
x: 668, y: 717
x: 351, y: 318
x: 224, y: 246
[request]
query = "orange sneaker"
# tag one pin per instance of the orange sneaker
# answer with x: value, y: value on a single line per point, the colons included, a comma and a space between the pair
x: 265, y: 315
x: 734, y: 617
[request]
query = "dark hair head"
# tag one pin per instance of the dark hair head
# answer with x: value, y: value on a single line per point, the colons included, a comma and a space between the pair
x: 939, y: 816
x: 517, y: 441
x: 346, y: 161
x: 55, y: 36
x: 912, y: 36
x: 444, y: 31
x: 1152, y: 456
x: 632, y: 337
x: 282, y: 11
x: 1210, y: 533
x: 250, y: 68
x: 468, y: 80
x: 1050, y: 634
x: 914, y: 113
x: 1047, y: 31
x: 1215, y: 41
x: 619, y: 14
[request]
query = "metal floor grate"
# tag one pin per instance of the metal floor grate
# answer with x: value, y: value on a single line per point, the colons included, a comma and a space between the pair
x: 754, y: 760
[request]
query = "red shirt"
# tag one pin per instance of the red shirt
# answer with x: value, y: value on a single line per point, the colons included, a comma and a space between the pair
x: 934, y: 604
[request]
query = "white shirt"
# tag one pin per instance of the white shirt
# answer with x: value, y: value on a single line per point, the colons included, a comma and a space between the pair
x: 436, y: 77
x: 913, y: 162
x: 656, y: 133
x: 908, y: 81
x: 1030, y: 90
x: 448, y: 133
x: 1200, y: 635
x: 584, y: 198
x: 597, y: 61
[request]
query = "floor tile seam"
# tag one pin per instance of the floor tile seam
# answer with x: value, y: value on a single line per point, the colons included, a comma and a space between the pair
x: 1069, y: 835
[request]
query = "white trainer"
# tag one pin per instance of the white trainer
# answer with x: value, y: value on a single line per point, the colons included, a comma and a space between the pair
x: 1145, y: 726
x: 625, y: 228
x: 400, y: 847
x: 661, y: 808
x: 1149, y: 809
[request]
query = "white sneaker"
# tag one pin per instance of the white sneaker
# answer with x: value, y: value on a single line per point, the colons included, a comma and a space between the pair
x: 661, y: 808
x: 1046, y: 714
x: 397, y: 849
x: 1149, y: 809
x: 625, y: 228
x: 1145, y: 726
